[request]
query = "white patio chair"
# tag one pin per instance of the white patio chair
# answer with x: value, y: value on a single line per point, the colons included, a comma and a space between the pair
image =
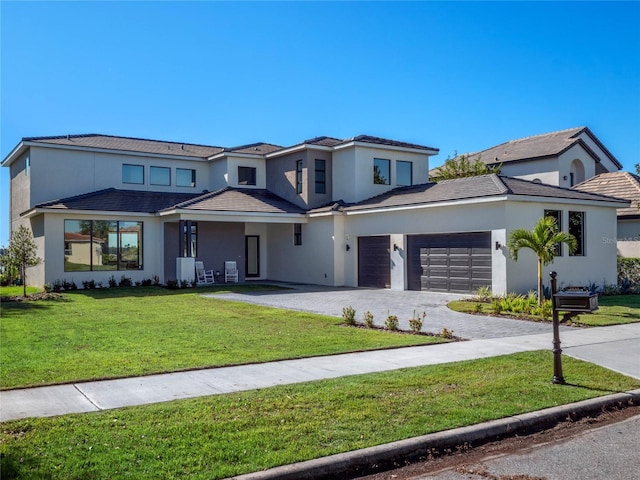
x: 204, y: 277
x: 230, y: 272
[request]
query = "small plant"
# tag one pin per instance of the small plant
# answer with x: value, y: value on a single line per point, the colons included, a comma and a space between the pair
x: 172, y: 284
x: 484, y: 293
x: 194, y: 283
x: 57, y: 286
x: 184, y: 284
x: 125, y: 282
x: 496, y: 307
x: 147, y: 282
x: 47, y: 287
x: 88, y: 284
x: 415, y: 323
x: 446, y: 333
x: 477, y: 307
x: 112, y: 282
x: 368, y: 319
x: 349, y: 315
x: 391, y: 322
x: 138, y: 283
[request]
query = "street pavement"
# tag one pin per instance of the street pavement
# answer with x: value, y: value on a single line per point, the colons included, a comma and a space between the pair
x: 612, y: 347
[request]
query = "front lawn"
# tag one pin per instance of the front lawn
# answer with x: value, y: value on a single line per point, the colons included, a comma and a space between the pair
x: 120, y: 332
x: 220, y: 436
x: 613, y: 310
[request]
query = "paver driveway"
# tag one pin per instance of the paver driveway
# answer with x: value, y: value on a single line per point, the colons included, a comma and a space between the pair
x: 381, y: 302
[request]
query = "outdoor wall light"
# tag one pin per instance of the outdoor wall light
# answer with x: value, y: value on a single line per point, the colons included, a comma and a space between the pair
x: 498, y: 246
x: 565, y: 178
x: 348, y: 247
x: 395, y: 247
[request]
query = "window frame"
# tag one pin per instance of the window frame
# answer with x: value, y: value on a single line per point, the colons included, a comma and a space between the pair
x: 130, y: 166
x: 398, y: 176
x: 297, y: 234
x: 190, y: 184
x: 156, y: 168
x: 320, y: 185
x: 299, y: 185
x: 384, y: 161
x: 580, y: 250
x: 557, y: 215
x: 251, y: 180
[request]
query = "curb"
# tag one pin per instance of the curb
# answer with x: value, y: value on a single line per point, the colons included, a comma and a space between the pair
x: 394, y: 453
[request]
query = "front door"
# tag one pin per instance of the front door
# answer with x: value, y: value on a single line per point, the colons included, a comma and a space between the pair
x: 252, y: 254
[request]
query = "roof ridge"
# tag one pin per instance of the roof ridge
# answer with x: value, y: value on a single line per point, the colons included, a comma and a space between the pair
x: 579, y: 129
x: 85, y: 135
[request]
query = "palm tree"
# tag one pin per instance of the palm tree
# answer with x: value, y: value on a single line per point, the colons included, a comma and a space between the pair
x: 543, y: 240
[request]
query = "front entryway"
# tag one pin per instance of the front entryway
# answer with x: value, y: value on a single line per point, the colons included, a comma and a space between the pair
x: 459, y: 262
x: 374, y: 262
x: 252, y: 256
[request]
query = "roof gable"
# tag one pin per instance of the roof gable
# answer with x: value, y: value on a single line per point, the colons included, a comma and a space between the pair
x: 619, y: 184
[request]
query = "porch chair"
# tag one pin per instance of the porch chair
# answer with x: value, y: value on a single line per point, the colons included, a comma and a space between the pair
x: 204, y: 277
x: 230, y: 272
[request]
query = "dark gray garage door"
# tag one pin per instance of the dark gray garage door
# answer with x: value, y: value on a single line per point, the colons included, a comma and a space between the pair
x: 453, y: 263
x: 374, y: 262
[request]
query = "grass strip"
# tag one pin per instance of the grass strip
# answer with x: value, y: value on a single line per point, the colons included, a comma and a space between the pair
x: 120, y: 332
x: 613, y: 310
x: 220, y: 436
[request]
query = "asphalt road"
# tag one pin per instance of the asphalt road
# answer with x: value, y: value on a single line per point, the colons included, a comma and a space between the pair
x: 590, y: 451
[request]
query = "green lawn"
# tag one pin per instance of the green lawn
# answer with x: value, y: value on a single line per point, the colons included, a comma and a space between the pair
x: 17, y: 291
x: 220, y: 436
x: 119, y: 332
x: 613, y: 310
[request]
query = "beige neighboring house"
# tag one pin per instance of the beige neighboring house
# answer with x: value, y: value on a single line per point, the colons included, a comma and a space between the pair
x: 341, y: 212
x: 564, y: 158
x: 622, y: 185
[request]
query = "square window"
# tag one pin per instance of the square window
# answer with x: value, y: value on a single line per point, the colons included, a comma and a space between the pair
x: 404, y: 173
x: 185, y: 177
x: 381, y: 171
x: 133, y: 174
x: 159, y: 176
x: 246, y: 175
x: 321, y: 176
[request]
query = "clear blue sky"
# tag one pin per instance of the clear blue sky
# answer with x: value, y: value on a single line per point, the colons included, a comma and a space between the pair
x: 457, y: 76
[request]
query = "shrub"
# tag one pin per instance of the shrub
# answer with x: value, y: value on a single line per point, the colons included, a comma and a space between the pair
x: 391, y: 322
x: 88, y: 284
x: 124, y: 282
x: 477, y: 307
x: 112, y: 281
x: 484, y: 293
x: 184, y: 284
x: 172, y: 284
x: 629, y: 269
x: 368, y: 319
x: 415, y: 323
x: 446, y: 333
x: 496, y: 306
x: 147, y: 282
x: 156, y: 280
x: 57, y: 286
x: 349, y: 315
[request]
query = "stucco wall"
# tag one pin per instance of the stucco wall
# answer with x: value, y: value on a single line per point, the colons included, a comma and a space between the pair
x: 281, y: 177
x: 544, y: 170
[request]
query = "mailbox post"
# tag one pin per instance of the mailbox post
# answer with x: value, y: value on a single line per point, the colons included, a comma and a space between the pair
x: 573, y: 303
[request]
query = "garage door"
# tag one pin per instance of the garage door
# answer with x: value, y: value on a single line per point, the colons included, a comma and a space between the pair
x: 450, y: 263
x: 374, y: 262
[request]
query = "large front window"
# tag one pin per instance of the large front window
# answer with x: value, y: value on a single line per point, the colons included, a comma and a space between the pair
x: 577, y: 229
x: 160, y: 176
x: 133, y: 174
x: 246, y: 176
x: 185, y: 177
x: 404, y: 173
x: 98, y: 245
x: 321, y: 176
x: 381, y: 171
x: 557, y: 216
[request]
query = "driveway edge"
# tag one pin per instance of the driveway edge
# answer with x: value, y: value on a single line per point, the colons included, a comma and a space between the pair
x: 398, y: 452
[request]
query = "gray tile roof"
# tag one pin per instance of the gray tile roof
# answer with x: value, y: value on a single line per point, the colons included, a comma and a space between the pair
x: 227, y: 200
x: 616, y: 184
x: 114, y: 200
x: 385, y: 141
x: 109, y: 142
x: 323, y: 141
x: 259, y: 148
x: 468, y: 188
x: 240, y: 200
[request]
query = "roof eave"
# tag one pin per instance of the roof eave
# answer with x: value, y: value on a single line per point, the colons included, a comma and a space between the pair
x: 17, y: 151
x: 114, y: 151
x: 74, y: 211
x: 380, y: 146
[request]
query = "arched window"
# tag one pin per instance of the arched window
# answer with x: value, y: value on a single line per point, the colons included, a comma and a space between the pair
x: 576, y: 172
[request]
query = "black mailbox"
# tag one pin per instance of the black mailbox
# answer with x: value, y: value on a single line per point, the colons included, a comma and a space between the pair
x: 576, y: 301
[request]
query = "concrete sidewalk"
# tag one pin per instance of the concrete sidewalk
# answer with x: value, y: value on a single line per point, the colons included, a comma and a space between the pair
x: 612, y: 347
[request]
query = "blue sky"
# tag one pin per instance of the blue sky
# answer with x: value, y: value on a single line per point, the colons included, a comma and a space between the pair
x: 457, y: 76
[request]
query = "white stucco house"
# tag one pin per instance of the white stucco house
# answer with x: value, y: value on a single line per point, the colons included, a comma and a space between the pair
x: 353, y: 212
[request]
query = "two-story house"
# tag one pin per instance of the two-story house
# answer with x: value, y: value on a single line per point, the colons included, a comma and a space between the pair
x: 354, y: 212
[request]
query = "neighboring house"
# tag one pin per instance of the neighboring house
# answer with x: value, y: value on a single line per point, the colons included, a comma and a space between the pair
x: 354, y: 212
x: 563, y: 158
x: 622, y: 185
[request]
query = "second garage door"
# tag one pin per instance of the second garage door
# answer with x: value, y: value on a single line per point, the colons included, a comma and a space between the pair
x: 452, y: 263
x: 374, y: 262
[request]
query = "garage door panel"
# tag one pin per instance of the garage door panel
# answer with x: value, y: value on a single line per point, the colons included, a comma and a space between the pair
x: 452, y: 262
x: 374, y: 262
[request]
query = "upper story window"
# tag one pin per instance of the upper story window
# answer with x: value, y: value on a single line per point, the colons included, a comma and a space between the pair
x: 27, y: 165
x: 321, y: 176
x: 577, y: 229
x: 159, y: 175
x: 185, y: 177
x: 404, y: 173
x: 246, y: 175
x: 298, y: 176
x: 133, y: 174
x: 557, y: 216
x: 381, y: 171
